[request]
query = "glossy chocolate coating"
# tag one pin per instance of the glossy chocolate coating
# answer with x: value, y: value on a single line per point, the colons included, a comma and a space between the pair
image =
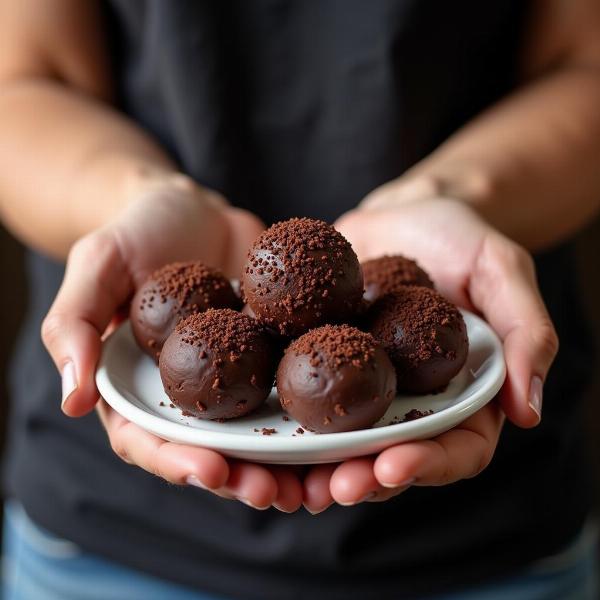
x: 300, y: 274
x: 172, y: 293
x: 336, y: 378
x: 217, y: 365
x: 388, y: 274
x: 424, y: 335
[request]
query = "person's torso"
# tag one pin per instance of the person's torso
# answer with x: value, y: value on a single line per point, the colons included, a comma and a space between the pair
x: 291, y: 109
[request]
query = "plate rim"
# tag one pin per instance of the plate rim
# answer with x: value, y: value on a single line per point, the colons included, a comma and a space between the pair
x: 224, y: 441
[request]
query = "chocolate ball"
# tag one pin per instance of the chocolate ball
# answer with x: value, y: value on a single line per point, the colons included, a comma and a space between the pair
x: 336, y: 378
x: 218, y: 364
x: 389, y: 273
x: 300, y: 274
x: 172, y: 293
x: 425, y: 336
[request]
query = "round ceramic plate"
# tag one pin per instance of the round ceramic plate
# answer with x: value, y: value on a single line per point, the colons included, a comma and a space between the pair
x: 130, y: 382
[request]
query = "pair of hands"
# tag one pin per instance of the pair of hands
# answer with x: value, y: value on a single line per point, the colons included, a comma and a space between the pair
x: 173, y: 219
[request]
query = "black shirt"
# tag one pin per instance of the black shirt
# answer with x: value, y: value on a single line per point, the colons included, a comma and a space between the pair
x: 289, y: 109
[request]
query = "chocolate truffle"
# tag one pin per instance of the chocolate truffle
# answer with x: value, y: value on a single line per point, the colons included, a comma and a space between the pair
x: 218, y: 364
x: 388, y: 273
x: 172, y: 293
x: 425, y: 336
x: 300, y: 274
x: 336, y: 378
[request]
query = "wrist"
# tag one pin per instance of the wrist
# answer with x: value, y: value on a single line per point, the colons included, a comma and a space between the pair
x: 468, y: 186
x: 104, y: 187
x: 132, y: 181
x: 403, y: 190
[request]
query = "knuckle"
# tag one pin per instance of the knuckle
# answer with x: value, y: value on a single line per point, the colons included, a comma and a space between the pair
x: 119, y: 448
x: 92, y: 249
x: 546, y: 338
x: 83, y: 247
x: 484, y: 461
x: 159, y: 466
x: 52, y: 328
x: 89, y: 243
x: 512, y: 256
x: 500, y: 257
x: 448, y: 475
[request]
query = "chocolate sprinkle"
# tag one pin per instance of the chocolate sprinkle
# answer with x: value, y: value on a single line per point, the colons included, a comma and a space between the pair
x: 181, y: 280
x: 220, y: 330
x: 415, y: 414
x: 389, y: 273
x: 334, y: 346
x: 218, y: 364
x: 418, y: 311
x: 300, y: 273
x: 172, y: 293
x: 424, y: 335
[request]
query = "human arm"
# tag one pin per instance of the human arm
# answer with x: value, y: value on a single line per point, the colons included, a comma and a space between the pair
x: 69, y: 161
x: 79, y: 179
x: 530, y: 164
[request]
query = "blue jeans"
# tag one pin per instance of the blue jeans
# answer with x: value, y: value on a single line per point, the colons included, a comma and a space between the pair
x: 37, y: 565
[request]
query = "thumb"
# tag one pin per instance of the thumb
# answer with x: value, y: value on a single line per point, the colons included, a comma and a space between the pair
x: 96, y: 283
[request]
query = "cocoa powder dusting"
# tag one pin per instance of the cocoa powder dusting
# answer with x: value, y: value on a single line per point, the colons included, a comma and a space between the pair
x: 291, y: 250
x: 419, y: 313
x: 223, y: 330
x: 391, y: 272
x: 183, y: 279
x: 335, y: 346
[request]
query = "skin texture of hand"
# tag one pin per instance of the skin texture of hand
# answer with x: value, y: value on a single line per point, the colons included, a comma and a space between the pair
x: 483, y: 271
x: 169, y: 220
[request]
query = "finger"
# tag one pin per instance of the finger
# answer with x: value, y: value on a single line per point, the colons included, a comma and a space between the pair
x: 358, y: 471
x: 251, y: 484
x: 458, y: 454
x: 289, y: 490
x: 386, y: 494
x: 317, y: 495
x: 503, y: 286
x: 96, y: 283
x: 354, y: 482
x: 175, y: 463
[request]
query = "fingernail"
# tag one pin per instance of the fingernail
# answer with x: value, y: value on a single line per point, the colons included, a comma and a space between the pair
x: 405, y: 483
x: 368, y: 496
x: 316, y: 512
x: 193, y: 480
x: 250, y: 504
x: 69, y: 382
x: 535, y: 395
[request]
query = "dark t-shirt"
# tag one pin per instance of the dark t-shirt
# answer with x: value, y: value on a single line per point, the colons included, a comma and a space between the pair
x: 301, y: 108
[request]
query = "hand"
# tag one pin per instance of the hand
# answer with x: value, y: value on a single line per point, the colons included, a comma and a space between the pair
x: 479, y: 269
x: 170, y: 219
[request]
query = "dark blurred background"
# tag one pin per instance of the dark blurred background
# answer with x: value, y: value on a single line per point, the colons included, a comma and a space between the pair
x: 13, y: 301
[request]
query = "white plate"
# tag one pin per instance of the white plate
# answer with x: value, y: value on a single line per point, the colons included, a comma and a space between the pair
x: 130, y: 382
